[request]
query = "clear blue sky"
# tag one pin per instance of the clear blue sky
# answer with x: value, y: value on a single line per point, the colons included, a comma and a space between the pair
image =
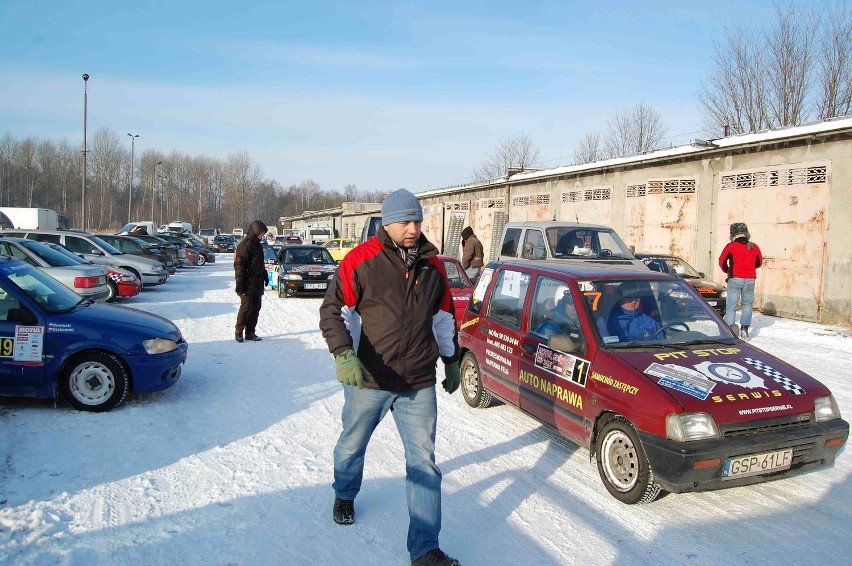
x: 382, y: 95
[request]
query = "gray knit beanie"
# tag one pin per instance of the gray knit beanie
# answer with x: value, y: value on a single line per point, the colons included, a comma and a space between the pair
x: 739, y: 230
x: 401, y: 206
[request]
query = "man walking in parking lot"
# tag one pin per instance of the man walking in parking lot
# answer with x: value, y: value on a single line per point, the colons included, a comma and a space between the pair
x: 251, y: 278
x: 740, y: 260
x: 472, y: 254
x: 387, y: 317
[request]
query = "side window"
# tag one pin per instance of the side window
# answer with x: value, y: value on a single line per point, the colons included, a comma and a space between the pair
x: 44, y: 237
x: 507, y: 298
x: 553, y: 310
x: 78, y: 245
x: 4, y: 249
x: 509, y: 247
x: 533, y: 245
x: 18, y: 254
x: 8, y: 302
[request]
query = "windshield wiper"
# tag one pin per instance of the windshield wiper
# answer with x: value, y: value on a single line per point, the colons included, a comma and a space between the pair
x: 725, y: 341
x: 636, y: 345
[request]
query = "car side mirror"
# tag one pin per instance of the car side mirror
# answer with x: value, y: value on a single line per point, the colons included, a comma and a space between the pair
x: 21, y: 315
x: 701, y: 274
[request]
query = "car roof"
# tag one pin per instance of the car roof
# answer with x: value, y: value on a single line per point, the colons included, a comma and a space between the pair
x: 554, y: 224
x: 585, y: 270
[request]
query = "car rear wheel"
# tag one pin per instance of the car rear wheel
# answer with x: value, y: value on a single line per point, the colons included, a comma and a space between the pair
x: 94, y: 381
x: 473, y: 392
x: 113, y: 290
x: 201, y: 259
x: 623, y: 465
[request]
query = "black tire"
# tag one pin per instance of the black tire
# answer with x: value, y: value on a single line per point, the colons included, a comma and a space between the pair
x: 473, y: 392
x: 113, y: 290
x: 94, y: 381
x: 282, y: 293
x: 201, y: 259
x: 623, y: 465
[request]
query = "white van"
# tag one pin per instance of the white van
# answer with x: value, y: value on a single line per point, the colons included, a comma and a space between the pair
x: 180, y: 228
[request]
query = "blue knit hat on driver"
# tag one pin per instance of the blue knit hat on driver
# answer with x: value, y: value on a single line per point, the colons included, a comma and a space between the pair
x: 401, y: 206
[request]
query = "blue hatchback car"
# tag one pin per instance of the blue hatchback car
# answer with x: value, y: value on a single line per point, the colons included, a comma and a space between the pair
x: 53, y: 342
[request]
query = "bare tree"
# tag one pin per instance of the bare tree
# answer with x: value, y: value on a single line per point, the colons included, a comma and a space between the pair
x: 637, y: 130
x: 589, y: 149
x: 351, y: 193
x: 789, y: 66
x: 518, y: 151
x: 835, y: 64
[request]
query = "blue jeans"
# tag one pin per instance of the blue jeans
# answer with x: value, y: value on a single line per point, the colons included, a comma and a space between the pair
x: 473, y: 273
x: 416, y: 416
x: 739, y: 289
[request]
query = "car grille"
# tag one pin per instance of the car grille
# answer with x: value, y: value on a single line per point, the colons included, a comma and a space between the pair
x: 309, y: 276
x: 767, y: 426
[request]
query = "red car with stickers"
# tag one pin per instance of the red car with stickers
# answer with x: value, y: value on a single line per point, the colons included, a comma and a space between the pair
x: 460, y: 286
x: 635, y: 366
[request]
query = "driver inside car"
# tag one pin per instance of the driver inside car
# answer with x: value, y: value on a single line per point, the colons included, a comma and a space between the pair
x: 627, y: 321
x: 561, y: 317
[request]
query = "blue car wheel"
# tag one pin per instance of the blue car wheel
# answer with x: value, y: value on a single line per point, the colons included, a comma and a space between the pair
x: 94, y: 381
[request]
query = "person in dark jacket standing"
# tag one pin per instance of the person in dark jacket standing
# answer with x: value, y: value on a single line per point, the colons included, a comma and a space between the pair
x: 387, y: 317
x: 740, y: 260
x: 472, y: 254
x: 251, y: 278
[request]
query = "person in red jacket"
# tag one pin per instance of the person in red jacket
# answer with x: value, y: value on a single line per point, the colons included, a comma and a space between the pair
x: 387, y: 317
x: 740, y: 260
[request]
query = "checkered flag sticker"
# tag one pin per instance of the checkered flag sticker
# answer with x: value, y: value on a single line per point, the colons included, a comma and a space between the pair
x: 776, y: 376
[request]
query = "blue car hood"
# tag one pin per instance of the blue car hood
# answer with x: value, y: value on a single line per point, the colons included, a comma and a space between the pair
x: 127, y: 321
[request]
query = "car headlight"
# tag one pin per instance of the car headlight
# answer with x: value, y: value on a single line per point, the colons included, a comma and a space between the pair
x: 825, y: 408
x: 159, y: 345
x: 724, y: 294
x: 691, y: 426
x: 157, y: 267
x: 292, y: 277
x: 679, y: 295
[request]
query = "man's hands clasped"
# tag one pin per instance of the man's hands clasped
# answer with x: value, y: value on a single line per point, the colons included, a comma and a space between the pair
x: 349, y: 369
x: 453, y: 377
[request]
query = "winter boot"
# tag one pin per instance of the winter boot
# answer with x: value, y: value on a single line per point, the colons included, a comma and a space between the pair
x: 435, y: 557
x: 744, y: 331
x: 344, y: 511
x: 238, y: 336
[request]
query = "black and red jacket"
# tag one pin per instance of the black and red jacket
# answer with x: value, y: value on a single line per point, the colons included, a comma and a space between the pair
x: 741, y: 259
x: 397, y: 321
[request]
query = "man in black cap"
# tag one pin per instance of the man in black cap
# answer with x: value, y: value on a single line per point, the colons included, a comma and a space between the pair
x: 472, y: 254
x: 387, y: 317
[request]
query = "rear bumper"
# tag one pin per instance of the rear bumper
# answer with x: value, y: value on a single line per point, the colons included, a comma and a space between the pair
x: 97, y: 295
x: 673, y: 463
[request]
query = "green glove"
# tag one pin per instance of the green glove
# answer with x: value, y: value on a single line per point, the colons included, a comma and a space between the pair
x: 349, y: 369
x: 453, y: 377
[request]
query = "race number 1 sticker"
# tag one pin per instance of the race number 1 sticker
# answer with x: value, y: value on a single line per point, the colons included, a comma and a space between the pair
x: 29, y: 343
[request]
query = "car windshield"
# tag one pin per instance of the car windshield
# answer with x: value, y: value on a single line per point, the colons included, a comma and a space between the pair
x: 51, y: 256
x: 671, y: 265
x: 308, y: 256
x: 107, y: 248
x: 647, y: 312
x: 58, y: 248
x: 50, y: 294
x: 566, y: 241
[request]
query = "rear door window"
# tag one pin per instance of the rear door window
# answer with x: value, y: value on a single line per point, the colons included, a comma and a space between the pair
x: 511, y: 238
x: 508, y: 296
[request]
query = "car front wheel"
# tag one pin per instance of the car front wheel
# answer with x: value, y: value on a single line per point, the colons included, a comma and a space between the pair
x: 473, y: 392
x: 623, y: 465
x: 201, y: 259
x: 95, y: 381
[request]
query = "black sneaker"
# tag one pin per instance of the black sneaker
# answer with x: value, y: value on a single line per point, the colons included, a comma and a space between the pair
x: 344, y: 511
x: 744, y: 331
x: 254, y: 338
x: 435, y: 557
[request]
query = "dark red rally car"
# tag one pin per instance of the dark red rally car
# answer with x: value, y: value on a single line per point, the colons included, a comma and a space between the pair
x: 637, y: 367
x: 460, y: 286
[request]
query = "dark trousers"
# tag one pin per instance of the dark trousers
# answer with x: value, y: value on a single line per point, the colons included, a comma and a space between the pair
x: 247, y: 316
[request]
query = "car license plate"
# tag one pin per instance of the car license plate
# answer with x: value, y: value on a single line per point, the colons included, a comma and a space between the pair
x: 315, y: 285
x: 711, y: 303
x: 757, y: 464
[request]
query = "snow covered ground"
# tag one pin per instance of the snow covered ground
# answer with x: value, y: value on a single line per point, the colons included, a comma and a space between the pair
x: 233, y: 466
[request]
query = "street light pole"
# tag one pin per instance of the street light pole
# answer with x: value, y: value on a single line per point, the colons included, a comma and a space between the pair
x: 85, y: 104
x: 130, y: 189
x: 153, y: 186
